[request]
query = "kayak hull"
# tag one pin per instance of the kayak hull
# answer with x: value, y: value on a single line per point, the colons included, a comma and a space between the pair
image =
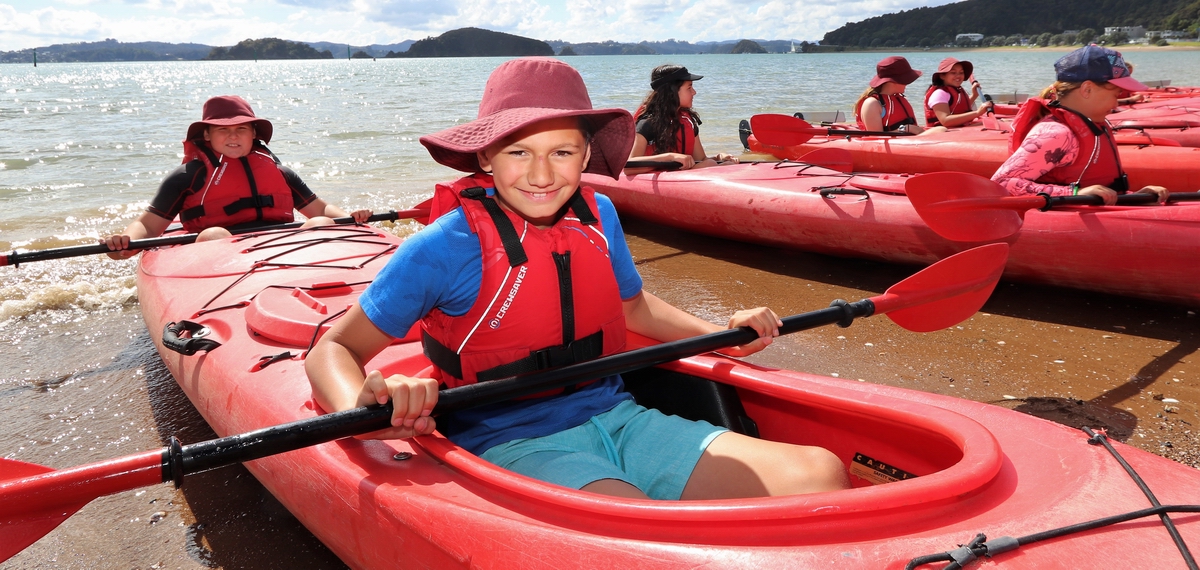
x: 980, y: 151
x: 427, y: 503
x: 1093, y: 248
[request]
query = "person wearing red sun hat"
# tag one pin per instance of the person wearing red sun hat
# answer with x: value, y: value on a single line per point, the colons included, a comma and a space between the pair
x: 525, y: 270
x: 228, y: 180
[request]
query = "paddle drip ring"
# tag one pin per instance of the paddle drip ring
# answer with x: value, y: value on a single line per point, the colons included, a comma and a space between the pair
x: 847, y: 312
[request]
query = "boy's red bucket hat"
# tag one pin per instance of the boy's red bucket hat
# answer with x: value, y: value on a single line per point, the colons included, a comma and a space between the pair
x: 527, y: 90
x: 227, y: 110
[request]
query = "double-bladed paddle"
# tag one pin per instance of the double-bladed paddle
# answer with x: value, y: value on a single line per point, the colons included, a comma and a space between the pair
x: 35, y: 499
x: 785, y: 130
x: 967, y: 207
x: 17, y: 258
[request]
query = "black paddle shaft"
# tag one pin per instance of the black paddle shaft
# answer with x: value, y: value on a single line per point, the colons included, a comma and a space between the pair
x: 16, y: 258
x: 1122, y: 200
x: 179, y: 461
x: 662, y: 165
x: 848, y: 133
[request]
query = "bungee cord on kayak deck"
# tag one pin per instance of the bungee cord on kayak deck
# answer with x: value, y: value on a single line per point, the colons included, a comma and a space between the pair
x: 981, y: 546
x: 266, y: 262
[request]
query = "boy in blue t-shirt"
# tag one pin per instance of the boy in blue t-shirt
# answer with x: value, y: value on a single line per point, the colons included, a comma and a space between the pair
x: 528, y: 270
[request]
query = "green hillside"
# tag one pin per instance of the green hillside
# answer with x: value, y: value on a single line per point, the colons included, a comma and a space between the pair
x: 268, y: 48
x: 939, y: 25
x: 476, y: 42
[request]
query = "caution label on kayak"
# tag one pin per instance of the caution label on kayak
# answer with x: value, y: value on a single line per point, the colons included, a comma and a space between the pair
x: 876, y: 471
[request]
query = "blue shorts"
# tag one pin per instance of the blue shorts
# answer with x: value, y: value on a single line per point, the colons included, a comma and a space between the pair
x: 654, y: 452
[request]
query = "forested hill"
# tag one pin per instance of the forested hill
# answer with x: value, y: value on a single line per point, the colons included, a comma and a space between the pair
x: 940, y: 24
x: 107, y: 50
x: 476, y: 42
x: 268, y: 48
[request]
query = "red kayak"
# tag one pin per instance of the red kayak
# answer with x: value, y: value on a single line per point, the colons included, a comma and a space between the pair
x: 931, y: 472
x: 981, y: 151
x: 1180, y: 123
x: 868, y: 215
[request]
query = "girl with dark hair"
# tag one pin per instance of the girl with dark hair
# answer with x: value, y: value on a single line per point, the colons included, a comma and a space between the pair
x: 668, y: 129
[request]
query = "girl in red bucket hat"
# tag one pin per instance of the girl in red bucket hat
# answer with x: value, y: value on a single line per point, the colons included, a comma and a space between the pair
x: 1064, y: 146
x: 228, y: 179
x: 947, y: 104
x: 526, y: 270
x: 882, y: 107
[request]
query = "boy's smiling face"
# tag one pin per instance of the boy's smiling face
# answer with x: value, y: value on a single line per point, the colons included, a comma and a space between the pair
x: 233, y: 141
x: 537, y: 169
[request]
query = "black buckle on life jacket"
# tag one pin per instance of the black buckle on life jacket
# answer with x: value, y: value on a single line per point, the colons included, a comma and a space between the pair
x: 579, y: 350
x: 1121, y: 184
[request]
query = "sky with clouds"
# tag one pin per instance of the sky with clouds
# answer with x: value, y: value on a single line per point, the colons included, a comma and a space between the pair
x: 33, y: 23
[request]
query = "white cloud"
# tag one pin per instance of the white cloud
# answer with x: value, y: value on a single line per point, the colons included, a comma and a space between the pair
x: 412, y: 15
x: 209, y: 8
x: 49, y: 22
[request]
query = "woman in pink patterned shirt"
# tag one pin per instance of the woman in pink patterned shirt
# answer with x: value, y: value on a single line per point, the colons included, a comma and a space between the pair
x: 1065, y: 147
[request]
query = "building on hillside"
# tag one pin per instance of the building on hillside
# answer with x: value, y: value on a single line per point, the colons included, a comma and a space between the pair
x: 1171, y: 34
x: 972, y: 37
x: 1134, y: 32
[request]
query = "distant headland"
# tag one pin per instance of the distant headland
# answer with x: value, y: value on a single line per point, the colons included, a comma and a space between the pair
x: 463, y: 42
x: 959, y: 25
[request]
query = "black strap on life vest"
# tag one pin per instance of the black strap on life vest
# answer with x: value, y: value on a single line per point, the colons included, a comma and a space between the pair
x: 578, y: 205
x: 255, y: 198
x: 256, y: 202
x: 508, y: 233
x: 191, y: 213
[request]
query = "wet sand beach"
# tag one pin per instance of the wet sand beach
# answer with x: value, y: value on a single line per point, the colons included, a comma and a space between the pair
x: 1072, y: 357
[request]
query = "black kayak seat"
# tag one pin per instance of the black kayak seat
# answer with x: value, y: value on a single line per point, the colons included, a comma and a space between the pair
x: 690, y: 397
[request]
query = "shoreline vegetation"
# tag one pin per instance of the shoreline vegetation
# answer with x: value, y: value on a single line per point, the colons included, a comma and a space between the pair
x: 477, y: 42
x: 245, y: 51
x: 1180, y: 46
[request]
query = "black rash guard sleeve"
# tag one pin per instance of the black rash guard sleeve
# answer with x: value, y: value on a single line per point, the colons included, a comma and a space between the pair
x: 642, y: 127
x: 189, y: 178
x: 301, y: 194
x: 185, y: 179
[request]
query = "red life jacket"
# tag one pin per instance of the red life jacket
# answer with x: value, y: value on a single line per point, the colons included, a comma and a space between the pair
x: 685, y: 138
x: 896, y: 111
x: 1097, y: 162
x: 236, y: 191
x: 959, y: 103
x: 548, y: 297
